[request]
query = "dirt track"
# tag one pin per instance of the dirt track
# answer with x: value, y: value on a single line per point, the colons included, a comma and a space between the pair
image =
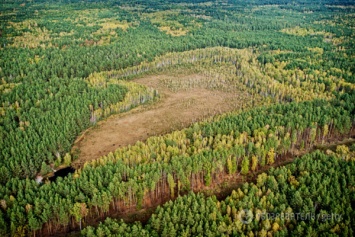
x: 177, y: 108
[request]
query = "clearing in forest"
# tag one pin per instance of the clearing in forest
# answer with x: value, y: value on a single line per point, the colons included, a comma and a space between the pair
x: 183, y: 100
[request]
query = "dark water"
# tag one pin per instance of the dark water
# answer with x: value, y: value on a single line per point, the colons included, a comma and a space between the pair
x: 62, y: 173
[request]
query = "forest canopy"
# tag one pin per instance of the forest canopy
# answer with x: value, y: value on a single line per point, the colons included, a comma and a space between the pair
x: 67, y: 65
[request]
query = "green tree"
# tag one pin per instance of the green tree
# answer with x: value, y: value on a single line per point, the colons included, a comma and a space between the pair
x: 245, y: 166
x: 172, y: 185
x: 79, y: 211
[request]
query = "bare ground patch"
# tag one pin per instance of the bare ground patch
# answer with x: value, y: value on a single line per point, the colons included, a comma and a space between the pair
x: 184, y: 100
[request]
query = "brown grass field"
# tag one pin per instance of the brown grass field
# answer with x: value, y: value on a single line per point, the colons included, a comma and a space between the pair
x: 178, y: 107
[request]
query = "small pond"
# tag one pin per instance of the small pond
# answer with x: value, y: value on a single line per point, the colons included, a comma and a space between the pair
x: 62, y: 173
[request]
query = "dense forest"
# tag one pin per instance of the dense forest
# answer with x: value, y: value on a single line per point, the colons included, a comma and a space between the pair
x: 314, y: 188
x: 66, y: 66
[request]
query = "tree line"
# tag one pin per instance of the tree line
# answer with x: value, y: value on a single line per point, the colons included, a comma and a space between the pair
x: 311, y: 196
x: 134, y: 176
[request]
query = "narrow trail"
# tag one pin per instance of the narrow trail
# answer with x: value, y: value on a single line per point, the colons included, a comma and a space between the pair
x: 177, y: 108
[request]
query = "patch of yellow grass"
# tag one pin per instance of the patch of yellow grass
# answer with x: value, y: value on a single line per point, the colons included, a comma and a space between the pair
x: 63, y: 33
x: 300, y: 31
x: 316, y: 50
x: 26, y: 24
x: 108, y: 25
x: 32, y: 39
x: 7, y: 87
x: 35, y: 37
x: 158, y: 17
x: 337, y: 41
x: 325, y: 22
x: 108, y: 30
x: 106, y: 40
x: 90, y: 18
x: 172, y: 27
x: 97, y: 80
x: 304, y: 31
x: 278, y: 51
x: 168, y: 30
x: 86, y: 16
x: 114, y: 25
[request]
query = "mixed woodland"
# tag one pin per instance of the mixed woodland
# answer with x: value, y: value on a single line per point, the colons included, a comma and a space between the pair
x: 66, y: 65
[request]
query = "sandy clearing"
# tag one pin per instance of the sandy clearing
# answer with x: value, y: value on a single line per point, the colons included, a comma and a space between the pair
x: 176, y: 109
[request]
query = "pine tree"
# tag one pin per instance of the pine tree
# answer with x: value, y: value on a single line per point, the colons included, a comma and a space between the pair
x: 172, y: 185
x: 254, y: 163
x: 271, y: 157
x: 245, y: 166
